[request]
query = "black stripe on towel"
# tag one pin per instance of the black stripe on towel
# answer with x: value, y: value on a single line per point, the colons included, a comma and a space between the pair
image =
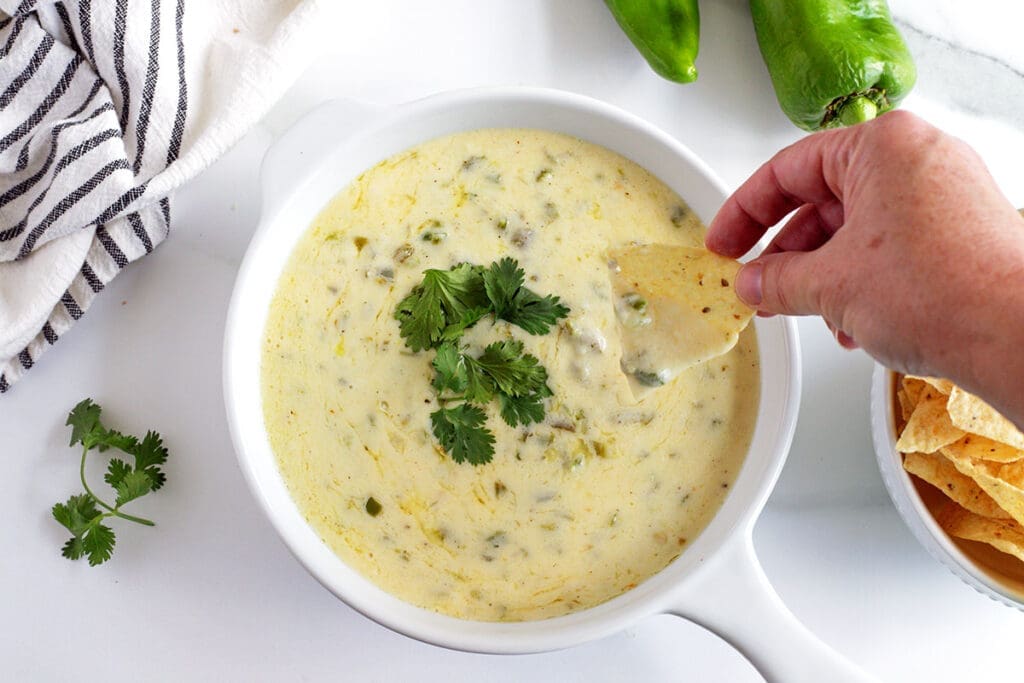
x: 70, y: 200
x: 49, y: 334
x: 26, y: 359
x: 90, y: 277
x: 140, y: 230
x: 25, y: 7
x: 71, y: 305
x: 47, y: 104
x: 65, y: 21
x: 111, y: 246
x: 18, y: 227
x: 83, y: 148
x: 23, y: 154
x: 120, y: 26
x: 23, y: 157
x: 149, y: 88
x: 179, y: 118
x: 165, y: 207
x: 37, y: 58
x: 72, y: 155
x: 121, y: 203
x: 15, y: 32
x: 84, y: 10
x: 4, y: 386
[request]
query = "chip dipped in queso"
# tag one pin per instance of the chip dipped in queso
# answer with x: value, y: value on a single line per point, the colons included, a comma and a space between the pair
x: 592, y: 490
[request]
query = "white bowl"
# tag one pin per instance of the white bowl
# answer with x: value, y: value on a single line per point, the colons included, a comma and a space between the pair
x: 717, y: 582
x: 912, y: 508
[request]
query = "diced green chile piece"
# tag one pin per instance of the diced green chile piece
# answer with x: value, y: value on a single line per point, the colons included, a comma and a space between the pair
x: 649, y: 378
x: 373, y: 507
x: 635, y: 301
x: 833, y: 62
x: 666, y: 32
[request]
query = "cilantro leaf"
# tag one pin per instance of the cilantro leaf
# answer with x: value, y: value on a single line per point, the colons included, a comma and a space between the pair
x: 514, y: 373
x: 150, y: 451
x: 420, y: 320
x: 445, y: 297
x: 479, y: 386
x: 134, y: 484
x: 502, y: 282
x: 73, y: 549
x: 117, y: 470
x: 77, y: 513
x: 90, y: 536
x: 98, y: 542
x: 517, y: 304
x: 84, y: 420
x: 471, y: 317
x: 523, y: 410
x: 534, y: 313
x: 461, y: 433
x: 459, y: 289
x: 109, y: 438
x: 149, y: 454
x: 450, y: 369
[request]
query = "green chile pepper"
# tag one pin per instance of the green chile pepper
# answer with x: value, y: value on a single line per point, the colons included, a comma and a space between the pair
x: 833, y: 62
x: 666, y: 32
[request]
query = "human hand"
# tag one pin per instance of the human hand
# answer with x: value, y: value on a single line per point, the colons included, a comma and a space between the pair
x: 901, y: 241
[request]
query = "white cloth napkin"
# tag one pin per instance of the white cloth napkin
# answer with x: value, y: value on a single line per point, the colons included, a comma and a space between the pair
x: 106, y: 106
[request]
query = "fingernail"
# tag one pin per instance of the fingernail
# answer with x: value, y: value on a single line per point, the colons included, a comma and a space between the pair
x: 845, y: 340
x: 748, y: 284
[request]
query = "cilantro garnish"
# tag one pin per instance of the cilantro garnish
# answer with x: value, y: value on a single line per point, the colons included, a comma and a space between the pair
x: 434, y: 316
x: 445, y: 298
x: 83, y: 515
x: 461, y: 432
x: 503, y: 282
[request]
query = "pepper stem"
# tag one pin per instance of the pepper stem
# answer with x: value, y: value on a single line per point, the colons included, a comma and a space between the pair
x: 857, y: 110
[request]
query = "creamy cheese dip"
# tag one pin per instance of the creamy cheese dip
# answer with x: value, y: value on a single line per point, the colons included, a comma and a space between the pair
x: 571, y: 512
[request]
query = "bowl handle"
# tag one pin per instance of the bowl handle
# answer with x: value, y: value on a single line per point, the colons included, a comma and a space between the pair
x: 307, y: 143
x: 731, y: 597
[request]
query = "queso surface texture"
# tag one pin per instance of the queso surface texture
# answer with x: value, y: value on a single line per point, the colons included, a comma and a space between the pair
x: 571, y: 512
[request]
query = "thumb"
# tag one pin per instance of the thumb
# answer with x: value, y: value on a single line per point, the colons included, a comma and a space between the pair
x: 783, y: 283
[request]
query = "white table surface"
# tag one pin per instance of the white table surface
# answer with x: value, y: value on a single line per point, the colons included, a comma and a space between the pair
x: 212, y: 593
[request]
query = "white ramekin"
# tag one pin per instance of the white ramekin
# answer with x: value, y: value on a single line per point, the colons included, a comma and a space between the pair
x: 717, y: 582
x: 908, y: 501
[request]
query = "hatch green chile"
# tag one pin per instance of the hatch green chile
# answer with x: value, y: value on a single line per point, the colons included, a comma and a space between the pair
x: 666, y: 32
x: 833, y: 62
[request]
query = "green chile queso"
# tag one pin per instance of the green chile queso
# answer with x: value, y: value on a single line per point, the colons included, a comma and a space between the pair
x: 572, y: 511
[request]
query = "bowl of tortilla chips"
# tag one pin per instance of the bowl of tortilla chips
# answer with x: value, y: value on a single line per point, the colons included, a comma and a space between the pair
x: 954, y: 468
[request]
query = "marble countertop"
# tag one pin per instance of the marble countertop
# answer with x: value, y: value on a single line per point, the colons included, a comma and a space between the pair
x: 212, y: 593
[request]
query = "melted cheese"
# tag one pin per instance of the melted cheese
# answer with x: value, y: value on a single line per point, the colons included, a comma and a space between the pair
x: 572, y: 511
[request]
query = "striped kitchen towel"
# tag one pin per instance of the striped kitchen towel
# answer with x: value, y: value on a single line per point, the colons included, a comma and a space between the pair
x: 106, y: 106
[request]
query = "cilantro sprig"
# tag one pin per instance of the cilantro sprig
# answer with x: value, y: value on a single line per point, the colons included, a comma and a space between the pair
x: 448, y: 302
x: 83, y: 514
x: 436, y: 314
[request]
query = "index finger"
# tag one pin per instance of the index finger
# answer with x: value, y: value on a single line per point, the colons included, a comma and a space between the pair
x: 810, y: 171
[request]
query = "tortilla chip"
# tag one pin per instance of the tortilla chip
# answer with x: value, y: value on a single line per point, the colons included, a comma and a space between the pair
x: 980, y: 448
x: 906, y: 405
x: 970, y: 413
x: 1003, y: 481
x: 938, y: 471
x: 1002, y: 534
x: 929, y: 427
x: 944, y: 386
x: 913, y: 386
x: 691, y: 311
